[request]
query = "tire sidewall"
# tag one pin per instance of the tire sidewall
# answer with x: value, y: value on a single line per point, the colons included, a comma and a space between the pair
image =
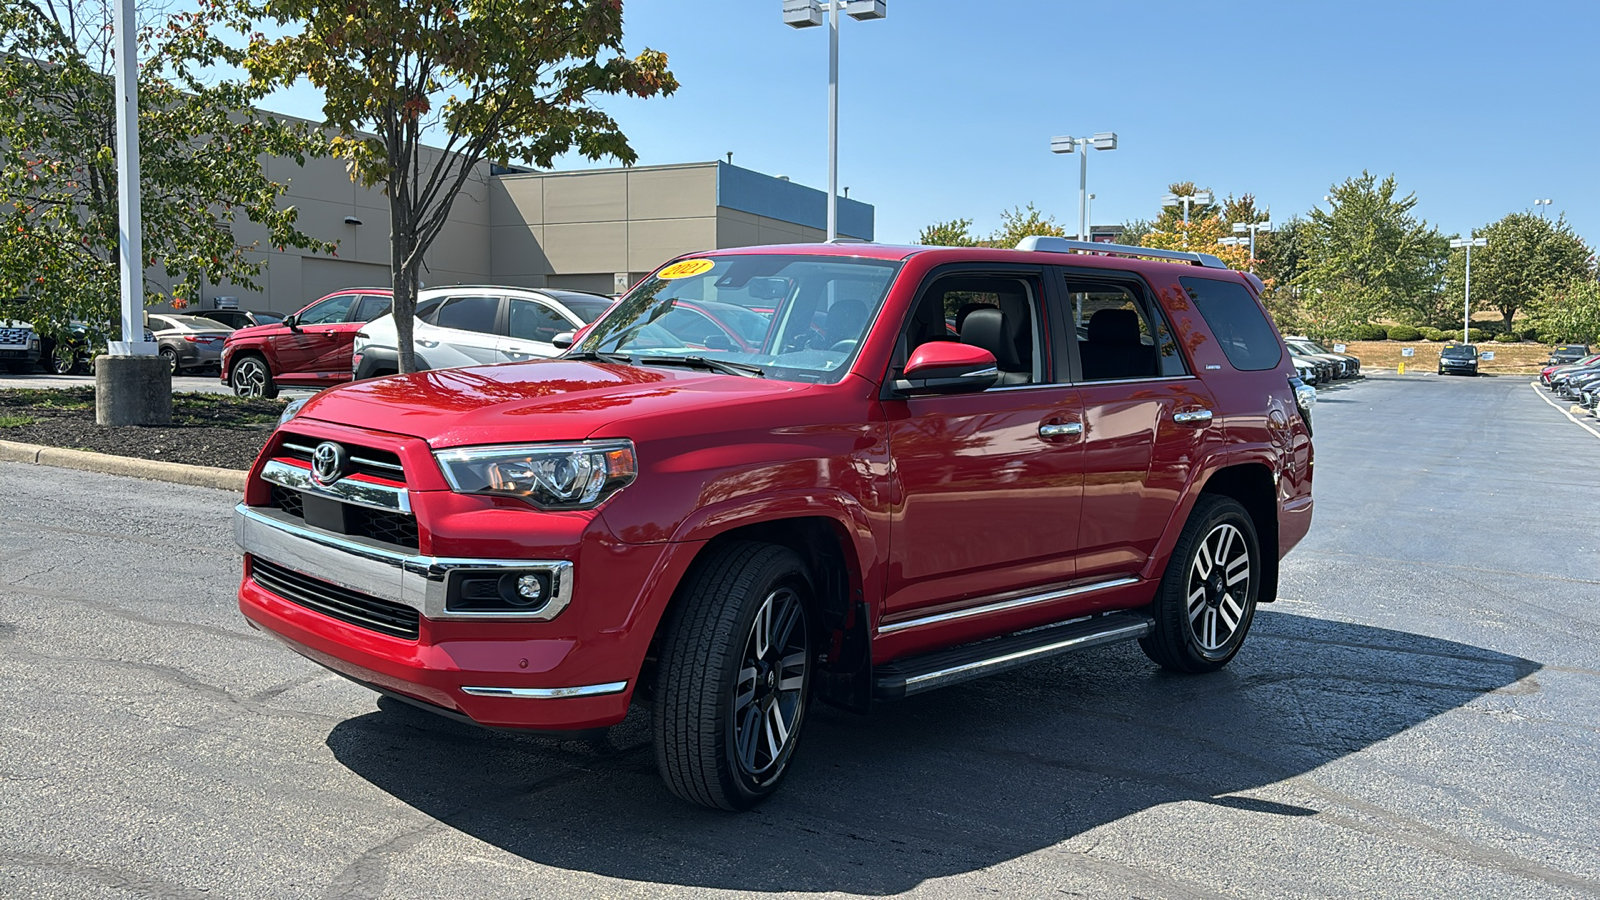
x: 785, y: 572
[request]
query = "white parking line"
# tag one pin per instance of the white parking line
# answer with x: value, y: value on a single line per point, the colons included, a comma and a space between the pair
x: 1557, y: 406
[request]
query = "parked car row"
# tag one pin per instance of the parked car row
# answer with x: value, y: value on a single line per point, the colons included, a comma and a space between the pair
x: 1578, y: 380
x: 1318, y: 365
x: 186, y: 341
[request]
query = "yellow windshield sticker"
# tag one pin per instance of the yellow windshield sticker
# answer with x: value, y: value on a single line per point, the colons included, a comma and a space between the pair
x: 687, y: 268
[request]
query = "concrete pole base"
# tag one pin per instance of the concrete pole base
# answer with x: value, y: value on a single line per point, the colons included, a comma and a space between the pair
x: 132, y: 390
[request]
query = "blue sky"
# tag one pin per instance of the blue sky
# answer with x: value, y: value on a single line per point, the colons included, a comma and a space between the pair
x: 947, y: 107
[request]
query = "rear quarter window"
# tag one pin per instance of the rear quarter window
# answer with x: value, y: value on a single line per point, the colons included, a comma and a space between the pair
x: 1236, y: 319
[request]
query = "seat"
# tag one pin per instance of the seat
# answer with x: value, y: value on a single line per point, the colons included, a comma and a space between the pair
x: 1113, y: 348
x: 992, y: 330
x: 844, y: 322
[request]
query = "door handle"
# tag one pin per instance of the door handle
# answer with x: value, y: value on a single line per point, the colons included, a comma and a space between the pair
x: 1061, y: 429
x: 1192, y: 417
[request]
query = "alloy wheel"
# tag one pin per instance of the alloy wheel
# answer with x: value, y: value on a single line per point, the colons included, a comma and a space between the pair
x: 1219, y: 585
x: 250, y: 378
x: 768, y: 697
x: 63, y: 359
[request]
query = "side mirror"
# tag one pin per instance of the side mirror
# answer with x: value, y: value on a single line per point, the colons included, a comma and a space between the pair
x: 564, y: 340
x: 292, y: 322
x: 946, y: 367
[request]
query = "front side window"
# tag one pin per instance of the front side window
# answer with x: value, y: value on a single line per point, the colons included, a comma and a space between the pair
x: 795, y: 318
x: 533, y: 321
x: 331, y: 311
x: 1234, y: 316
x: 998, y: 312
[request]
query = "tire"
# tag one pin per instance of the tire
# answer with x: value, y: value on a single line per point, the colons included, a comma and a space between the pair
x: 1205, y: 641
x: 731, y: 698
x: 251, y: 378
x: 171, y: 356
x: 63, y: 359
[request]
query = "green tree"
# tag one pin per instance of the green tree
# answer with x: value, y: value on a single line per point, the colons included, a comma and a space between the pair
x: 1367, y: 255
x: 954, y: 233
x: 1280, y: 255
x: 201, y: 145
x: 1527, y: 255
x: 1170, y: 219
x: 1134, y: 231
x: 1568, y: 312
x: 1023, y: 221
x: 483, y: 80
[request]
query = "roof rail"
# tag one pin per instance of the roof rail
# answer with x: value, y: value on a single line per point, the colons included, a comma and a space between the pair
x: 1064, y: 245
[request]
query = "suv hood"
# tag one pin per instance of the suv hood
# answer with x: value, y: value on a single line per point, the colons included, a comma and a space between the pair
x: 544, y: 400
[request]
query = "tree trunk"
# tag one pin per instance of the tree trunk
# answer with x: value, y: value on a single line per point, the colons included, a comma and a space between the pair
x: 1507, y: 315
x: 403, y: 266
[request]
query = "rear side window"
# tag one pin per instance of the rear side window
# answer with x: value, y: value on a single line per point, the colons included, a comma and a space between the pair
x: 469, y: 314
x: 372, y: 306
x: 1236, y: 319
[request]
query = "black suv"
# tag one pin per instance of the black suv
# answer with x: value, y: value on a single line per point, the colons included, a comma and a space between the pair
x: 1459, y: 359
x: 1564, y: 354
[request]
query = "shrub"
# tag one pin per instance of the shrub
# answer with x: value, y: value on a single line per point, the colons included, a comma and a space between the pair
x: 1404, y: 333
x: 1431, y: 334
x: 1370, y: 333
x: 1476, y: 335
x: 1507, y: 337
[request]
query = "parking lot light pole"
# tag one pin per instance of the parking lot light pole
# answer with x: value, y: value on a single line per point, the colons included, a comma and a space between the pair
x: 808, y: 14
x: 1252, y: 228
x: 1198, y: 199
x: 1102, y: 140
x: 1466, y: 314
x: 1543, y: 205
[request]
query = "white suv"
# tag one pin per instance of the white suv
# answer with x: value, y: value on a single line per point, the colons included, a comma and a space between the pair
x: 476, y: 325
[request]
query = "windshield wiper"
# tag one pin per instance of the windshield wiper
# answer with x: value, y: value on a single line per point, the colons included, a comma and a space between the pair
x: 703, y: 362
x: 616, y: 359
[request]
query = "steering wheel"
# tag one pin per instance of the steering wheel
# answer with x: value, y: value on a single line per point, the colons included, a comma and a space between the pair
x: 844, y: 346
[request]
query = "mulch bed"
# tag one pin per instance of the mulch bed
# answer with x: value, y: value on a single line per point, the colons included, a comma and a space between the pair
x: 206, y: 430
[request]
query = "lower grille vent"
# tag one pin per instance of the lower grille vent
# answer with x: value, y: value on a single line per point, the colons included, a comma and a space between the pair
x: 356, y: 608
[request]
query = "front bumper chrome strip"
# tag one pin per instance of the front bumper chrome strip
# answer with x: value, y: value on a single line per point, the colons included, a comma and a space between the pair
x: 348, y: 490
x: 420, y: 582
x: 588, y: 690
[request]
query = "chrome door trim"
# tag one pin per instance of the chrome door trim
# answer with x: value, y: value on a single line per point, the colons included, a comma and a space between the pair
x: 419, y: 582
x: 587, y: 690
x: 1006, y: 605
x: 347, y: 490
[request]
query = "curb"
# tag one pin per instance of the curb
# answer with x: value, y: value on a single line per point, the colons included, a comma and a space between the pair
x: 107, y: 464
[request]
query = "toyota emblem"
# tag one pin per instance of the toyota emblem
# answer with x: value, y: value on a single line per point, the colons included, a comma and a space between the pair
x: 328, y: 463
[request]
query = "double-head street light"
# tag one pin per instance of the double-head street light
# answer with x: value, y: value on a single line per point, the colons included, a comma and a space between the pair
x: 808, y: 14
x: 1202, y: 198
x: 1252, y: 228
x: 1102, y: 140
x: 1541, y: 204
x: 1466, y: 316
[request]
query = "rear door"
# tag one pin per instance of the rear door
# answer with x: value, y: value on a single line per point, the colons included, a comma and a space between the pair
x: 1147, y: 419
x: 464, y: 332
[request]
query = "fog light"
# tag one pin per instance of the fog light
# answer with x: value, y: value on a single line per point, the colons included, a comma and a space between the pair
x: 529, y: 588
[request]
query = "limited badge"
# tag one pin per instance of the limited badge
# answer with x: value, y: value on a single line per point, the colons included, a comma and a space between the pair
x: 686, y: 268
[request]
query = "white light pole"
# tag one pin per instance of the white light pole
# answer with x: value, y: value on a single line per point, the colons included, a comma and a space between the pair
x: 1252, y: 228
x: 1102, y: 140
x: 131, y: 256
x: 807, y: 14
x: 1466, y: 315
x: 1090, y: 216
x: 1202, y: 198
x: 1541, y: 204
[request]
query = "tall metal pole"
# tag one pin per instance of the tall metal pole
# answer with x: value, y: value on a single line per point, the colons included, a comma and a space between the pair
x: 1466, y: 312
x: 130, y: 243
x: 833, y: 119
x: 1083, y: 189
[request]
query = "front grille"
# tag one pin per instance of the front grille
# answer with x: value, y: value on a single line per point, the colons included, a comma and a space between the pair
x: 288, y: 501
x: 365, y: 460
x: 389, y: 527
x: 15, y: 336
x: 331, y: 600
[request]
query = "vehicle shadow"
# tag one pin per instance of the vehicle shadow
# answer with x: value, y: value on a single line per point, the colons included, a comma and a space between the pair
x: 946, y: 783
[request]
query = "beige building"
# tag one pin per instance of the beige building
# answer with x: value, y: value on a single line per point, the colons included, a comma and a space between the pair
x: 597, y: 230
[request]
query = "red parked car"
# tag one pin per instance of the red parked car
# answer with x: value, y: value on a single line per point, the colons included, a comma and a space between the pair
x: 860, y: 508
x: 311, y: 348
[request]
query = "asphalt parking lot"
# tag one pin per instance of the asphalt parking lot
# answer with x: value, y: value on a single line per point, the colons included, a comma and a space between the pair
x: 1418, y: 716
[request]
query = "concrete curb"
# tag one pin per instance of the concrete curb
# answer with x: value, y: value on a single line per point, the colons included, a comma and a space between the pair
x: 105, y: 463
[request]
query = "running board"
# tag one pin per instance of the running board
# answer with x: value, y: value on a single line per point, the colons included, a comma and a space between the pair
x: 916, y: 674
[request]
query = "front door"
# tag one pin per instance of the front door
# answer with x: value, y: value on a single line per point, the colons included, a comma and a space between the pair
x: 986, y: 486
x: 302, y: 351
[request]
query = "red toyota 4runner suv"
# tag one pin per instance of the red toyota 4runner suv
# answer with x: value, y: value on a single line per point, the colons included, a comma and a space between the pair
x: 935, y: 464
x: 311, y: 348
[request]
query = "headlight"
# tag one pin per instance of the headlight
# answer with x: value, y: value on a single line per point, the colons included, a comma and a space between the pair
x: 549, y: 476
x: 291, y: 410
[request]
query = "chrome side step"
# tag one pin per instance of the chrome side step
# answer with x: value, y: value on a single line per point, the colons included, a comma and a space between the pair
x: 916, y: 674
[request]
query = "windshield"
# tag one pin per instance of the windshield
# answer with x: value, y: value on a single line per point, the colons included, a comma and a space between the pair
x: 583, y: 306
x: 796, y: 318
x: 1459, y: 352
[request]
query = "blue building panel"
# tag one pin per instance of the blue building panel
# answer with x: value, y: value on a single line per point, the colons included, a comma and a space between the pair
x: 764, y: 195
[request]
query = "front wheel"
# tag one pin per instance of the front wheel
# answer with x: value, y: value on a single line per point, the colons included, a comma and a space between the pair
x: 251, y: 378
x: 63, y: 359
x: 734, y: 677
x: 1207, y: 596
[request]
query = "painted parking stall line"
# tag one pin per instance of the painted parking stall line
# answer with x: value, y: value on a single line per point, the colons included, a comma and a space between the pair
x: 1557, y: 407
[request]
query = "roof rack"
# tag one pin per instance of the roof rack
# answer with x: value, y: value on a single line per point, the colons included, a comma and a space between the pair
x: 1064, y: 245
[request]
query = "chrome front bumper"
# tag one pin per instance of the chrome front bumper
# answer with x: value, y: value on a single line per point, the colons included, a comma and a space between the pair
x: 420, y: 582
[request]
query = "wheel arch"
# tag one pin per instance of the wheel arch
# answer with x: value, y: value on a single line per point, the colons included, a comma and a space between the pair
x: 1252, y: 485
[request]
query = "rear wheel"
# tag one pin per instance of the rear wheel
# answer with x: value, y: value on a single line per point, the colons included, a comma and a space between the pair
x: 171, y: 356
x: 63, y: 359
x: 734, y: 677
x: 1207, y: 597
x: 251, y: 378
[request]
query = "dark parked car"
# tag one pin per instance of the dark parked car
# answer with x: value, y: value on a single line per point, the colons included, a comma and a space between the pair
x: 188, y: 342
x: 1349, y: 366
x: 241, y: 318
x: 1459, y: 359
x: 1564, y: 354
x: 74, y: 351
